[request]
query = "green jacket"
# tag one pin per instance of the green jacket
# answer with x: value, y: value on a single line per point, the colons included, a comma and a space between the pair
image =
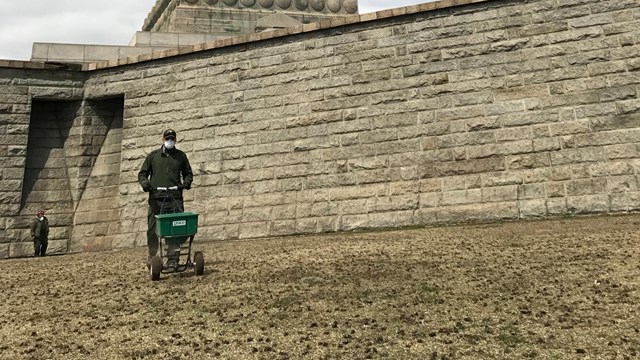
x: 40, y: 229
x: 164, y: 169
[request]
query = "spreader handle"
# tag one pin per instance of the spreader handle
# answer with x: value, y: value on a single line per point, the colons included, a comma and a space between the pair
x: 164, y: 188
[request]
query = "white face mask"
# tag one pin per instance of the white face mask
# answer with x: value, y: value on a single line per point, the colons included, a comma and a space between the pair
x: 169, y: 144
x: 42, y: 218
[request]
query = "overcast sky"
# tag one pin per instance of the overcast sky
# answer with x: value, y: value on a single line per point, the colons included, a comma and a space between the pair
x: 110, y: 22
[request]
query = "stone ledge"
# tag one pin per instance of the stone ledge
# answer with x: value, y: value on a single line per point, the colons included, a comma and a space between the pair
x: 244, y: 39
x: 39, y: 65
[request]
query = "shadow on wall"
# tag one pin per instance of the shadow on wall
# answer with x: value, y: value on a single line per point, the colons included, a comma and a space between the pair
x: 66, y: 141
x: 46, y: 181
x: 46, y: 175
x: 96, y: 221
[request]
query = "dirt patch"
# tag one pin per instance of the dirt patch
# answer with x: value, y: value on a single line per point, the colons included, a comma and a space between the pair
x: 548, y: 290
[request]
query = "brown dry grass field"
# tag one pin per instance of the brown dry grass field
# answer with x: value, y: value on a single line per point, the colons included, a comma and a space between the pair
x: 557, y: 289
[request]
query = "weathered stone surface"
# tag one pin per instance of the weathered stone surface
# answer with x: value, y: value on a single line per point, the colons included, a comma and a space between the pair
x: 4, y: 251
x: 532, y: 208
x: 588, y: 204
x: 20, y: 249
x: 478, y: 213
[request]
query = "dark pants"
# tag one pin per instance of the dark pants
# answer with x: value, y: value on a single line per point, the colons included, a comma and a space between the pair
x: 40, y: 246
x: 155, y: 206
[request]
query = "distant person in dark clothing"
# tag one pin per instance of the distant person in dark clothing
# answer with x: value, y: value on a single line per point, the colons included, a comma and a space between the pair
x: 40, y: 234
x: 164, y: 167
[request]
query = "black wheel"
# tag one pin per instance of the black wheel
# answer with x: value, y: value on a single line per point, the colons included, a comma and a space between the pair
x: 198, y: 259
x: 156, y: 268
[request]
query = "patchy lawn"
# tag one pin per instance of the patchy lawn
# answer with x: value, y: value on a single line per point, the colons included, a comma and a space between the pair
x: 561, y: 289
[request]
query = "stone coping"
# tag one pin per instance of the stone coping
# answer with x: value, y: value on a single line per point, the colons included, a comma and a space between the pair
x: 244, y: 39
x: 39, y: 65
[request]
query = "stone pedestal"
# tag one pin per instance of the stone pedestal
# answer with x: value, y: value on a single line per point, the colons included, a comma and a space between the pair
x: 236, y: 17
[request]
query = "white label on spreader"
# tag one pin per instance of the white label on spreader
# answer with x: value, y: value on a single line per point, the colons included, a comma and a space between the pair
x: 180, y: 223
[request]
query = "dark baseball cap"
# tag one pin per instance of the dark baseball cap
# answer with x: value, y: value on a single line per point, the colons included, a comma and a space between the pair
x: 169, y: 133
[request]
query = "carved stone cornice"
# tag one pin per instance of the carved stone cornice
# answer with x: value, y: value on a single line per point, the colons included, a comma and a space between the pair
x: 314, y: 6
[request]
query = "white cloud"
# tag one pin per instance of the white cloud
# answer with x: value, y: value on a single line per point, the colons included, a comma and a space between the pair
x: 112, y: 22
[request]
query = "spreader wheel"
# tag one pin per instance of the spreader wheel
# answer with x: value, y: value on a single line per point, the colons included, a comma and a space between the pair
x: 198, y: 259
x: 156, y: 268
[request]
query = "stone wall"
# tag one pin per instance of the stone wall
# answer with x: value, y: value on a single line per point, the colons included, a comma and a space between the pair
x: 31, y: 114
x: 432, y: 114
x: 61, y: 153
